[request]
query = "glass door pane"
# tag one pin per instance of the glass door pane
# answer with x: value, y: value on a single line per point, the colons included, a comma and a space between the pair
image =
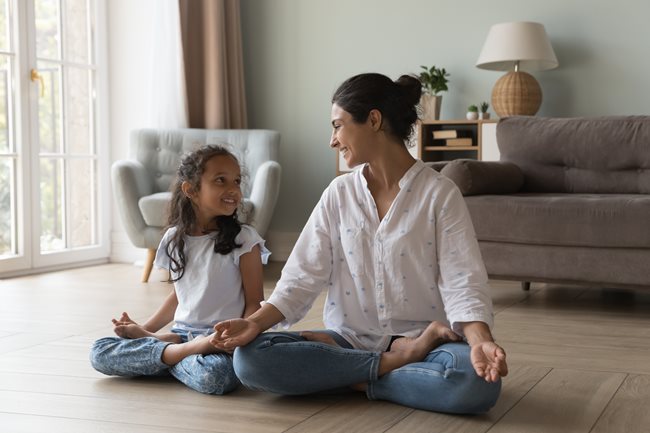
x: 7, y: 208
x: 9, y: 241
x: 66, y: 131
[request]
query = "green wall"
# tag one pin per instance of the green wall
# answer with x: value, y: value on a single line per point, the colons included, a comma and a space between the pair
x: 296, y: 52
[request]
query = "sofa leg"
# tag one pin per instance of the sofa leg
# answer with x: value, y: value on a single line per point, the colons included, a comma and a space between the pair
x: 148, y: 265
x: 525, y: 286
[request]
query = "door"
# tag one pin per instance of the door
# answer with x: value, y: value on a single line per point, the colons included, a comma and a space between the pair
x: 53, y: 169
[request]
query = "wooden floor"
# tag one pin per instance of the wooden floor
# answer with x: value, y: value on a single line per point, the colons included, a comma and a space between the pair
x: 579, y: 359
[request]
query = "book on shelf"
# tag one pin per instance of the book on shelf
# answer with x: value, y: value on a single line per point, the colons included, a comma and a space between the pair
x: 467, y: 141
x: 444, y: 133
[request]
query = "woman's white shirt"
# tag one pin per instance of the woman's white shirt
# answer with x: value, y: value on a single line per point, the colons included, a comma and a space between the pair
x: 211, y: 287
x: 420, y: 263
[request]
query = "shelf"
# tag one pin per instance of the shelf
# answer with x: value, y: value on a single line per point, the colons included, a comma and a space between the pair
x: 435, y: 149
x: 445, y: 148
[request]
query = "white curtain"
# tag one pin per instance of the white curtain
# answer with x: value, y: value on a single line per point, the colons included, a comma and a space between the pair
x: 167, y: 96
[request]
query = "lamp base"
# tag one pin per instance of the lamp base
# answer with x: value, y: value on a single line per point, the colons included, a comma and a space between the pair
x: 516, y: 94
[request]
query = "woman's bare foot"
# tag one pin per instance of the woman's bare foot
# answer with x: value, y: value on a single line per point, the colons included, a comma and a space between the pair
x: 406, y: 350
x: 174, y: 353
x: 320, y: 337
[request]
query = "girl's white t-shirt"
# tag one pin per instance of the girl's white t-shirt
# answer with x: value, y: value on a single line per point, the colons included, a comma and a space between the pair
x: 211, y: 287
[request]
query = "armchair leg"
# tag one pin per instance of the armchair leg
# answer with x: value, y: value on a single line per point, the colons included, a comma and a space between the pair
x: 148, y: 265
x: 525, y: 286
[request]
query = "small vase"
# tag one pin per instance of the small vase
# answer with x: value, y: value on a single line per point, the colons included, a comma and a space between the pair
x: 431, y: 106
x: 472, y: 115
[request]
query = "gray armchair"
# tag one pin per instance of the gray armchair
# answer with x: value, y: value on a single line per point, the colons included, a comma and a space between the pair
x: 141, y: 183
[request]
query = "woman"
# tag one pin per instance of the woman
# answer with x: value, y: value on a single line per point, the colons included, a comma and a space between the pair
x: 393, y: 244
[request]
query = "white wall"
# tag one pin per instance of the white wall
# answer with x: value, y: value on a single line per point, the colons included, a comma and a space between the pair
x: 296, y: 52
x: 129, y: 44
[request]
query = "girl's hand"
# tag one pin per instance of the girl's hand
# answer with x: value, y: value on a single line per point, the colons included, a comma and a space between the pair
x: 489, y: 360
x: 234, y: 333
x: 123, y: 320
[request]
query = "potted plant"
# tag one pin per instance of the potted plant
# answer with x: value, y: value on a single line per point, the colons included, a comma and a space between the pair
x: 434, y: 80
x: 472, y: 112
x: 484, y: 115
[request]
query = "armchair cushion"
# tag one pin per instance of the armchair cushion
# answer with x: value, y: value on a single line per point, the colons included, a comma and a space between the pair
x: 484, y: 177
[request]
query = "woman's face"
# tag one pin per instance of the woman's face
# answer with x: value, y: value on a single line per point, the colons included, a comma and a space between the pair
x: 354, y: 140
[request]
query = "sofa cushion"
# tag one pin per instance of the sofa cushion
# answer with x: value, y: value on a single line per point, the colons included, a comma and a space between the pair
x: 154, y: 209
x: 595, y: 220
x: 600, y: 155
x: 484, y: 177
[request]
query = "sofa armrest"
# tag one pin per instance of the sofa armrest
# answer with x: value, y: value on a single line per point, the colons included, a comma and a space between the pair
x: 436, y: 165
x: 264, y: 195
x: 484, y: 177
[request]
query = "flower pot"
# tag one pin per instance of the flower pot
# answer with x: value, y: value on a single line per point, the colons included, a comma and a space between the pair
x: 484, y: 116
x: 431, y: 106
x: 472, y: 115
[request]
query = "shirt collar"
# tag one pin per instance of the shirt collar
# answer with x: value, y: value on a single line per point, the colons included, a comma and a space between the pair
x: 408, y: 176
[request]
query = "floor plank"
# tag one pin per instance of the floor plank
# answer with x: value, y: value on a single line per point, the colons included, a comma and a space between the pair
x: 628, y: 411
x: 228, y: 415
x: 567, y: 401
x: 360, y: 415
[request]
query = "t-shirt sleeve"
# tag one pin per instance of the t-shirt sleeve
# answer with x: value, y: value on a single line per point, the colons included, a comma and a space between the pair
x: 162, y: 259
x: 248, y: 238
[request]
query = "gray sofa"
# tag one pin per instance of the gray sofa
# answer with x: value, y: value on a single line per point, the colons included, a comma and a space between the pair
x: 568, y: 202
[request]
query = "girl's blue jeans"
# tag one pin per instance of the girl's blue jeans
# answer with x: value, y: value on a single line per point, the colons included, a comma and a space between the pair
x: 286, y: 363
x: 209, y: 374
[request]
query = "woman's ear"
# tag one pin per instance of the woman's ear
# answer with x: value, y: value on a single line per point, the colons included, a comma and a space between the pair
x: 376, y: 118
x: 187, y: 189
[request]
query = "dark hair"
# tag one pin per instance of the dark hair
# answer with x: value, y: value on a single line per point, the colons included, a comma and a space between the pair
x: 397, y: 101
x: 182, y: 216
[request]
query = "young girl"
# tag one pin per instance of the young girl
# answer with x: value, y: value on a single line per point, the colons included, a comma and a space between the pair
x: 215, y: 264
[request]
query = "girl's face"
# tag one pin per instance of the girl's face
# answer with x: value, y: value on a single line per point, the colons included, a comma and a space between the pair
x: 354, y: 140
x: 219, y: 192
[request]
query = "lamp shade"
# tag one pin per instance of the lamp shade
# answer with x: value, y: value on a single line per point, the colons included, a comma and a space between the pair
x: 523, y: 42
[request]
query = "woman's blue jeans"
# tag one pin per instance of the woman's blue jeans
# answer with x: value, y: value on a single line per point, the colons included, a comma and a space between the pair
x: 209, y: 374
x: 286, y: 363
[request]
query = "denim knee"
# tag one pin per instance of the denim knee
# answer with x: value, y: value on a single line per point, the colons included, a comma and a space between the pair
x: 475, y: 395
x: 249, y: 365
x: 208, y: 374
x: 98, y: 358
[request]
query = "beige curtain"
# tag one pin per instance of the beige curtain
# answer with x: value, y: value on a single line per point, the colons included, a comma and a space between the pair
x: 214, y: 71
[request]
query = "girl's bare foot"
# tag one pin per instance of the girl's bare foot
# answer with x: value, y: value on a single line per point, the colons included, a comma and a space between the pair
x: 132, y: 331
x: 321, y: 337
x: 406, y: 350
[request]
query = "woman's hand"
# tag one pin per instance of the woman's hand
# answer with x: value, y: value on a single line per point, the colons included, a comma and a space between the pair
x: 234, y: 333
x: 489, y: 360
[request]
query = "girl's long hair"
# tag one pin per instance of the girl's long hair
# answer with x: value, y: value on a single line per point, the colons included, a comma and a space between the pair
x: 181, y: 213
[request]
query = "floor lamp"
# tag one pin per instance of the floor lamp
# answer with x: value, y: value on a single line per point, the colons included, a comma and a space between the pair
x: 512, y: 47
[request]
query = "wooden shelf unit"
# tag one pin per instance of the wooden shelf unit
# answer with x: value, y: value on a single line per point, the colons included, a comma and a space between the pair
x: 430, y: 149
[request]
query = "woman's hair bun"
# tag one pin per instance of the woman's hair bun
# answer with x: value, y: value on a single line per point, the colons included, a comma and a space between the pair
x: 411, y: 89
